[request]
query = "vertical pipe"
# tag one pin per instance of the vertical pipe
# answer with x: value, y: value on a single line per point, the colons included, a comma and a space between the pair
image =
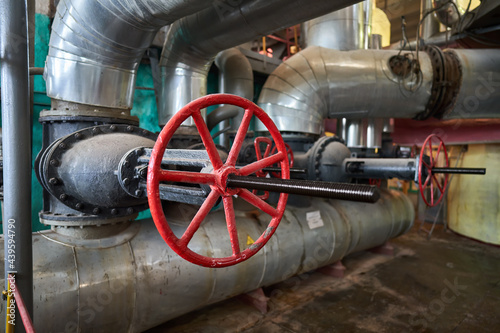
x: 430, y: 25
x: 16, y: 147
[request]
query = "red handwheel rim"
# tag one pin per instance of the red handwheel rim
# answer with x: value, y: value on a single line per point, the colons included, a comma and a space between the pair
x: 431, y: 180
x: 216, y: 180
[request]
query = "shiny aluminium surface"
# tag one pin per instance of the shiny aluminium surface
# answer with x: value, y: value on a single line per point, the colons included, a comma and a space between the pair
x: 235, y: 77
x: 346, y: 29
x: 132, y: 281
x: 194, y: 41
x: 319, y: 83
x: 479, y: 94
x: 95, y: 47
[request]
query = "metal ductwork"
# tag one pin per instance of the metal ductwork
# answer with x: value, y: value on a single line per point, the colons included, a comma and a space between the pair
x: 236, y: 77
x: 193, y: 42
x: 478, y: 94
x: 133, y: 281
x: 346, y: 29
x: 319, y: 83
x: 96, y: 46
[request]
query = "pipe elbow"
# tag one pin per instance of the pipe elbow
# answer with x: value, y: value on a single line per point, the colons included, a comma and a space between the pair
x: 295, y: 95
x: 96, y: 46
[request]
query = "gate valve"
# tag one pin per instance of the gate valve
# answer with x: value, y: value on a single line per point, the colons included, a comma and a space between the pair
x: 268, y: 151
x: 217, y: 180
x: 226, y: 180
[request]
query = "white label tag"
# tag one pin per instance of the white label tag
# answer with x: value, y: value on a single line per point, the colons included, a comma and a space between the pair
x: 314, y: 220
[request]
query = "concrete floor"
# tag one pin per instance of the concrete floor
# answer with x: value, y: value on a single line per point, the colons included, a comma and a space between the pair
x: 447, y: 284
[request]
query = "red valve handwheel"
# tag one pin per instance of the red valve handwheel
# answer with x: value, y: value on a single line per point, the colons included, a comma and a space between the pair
x: 290, y: 158
x: 431, y: 179
x: 216, y: 180
x: 257, y: 144
x: 268, y: 151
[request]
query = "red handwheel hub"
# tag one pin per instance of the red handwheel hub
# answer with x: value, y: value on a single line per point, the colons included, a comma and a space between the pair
x: 428, y: 160
x: 216, y: 180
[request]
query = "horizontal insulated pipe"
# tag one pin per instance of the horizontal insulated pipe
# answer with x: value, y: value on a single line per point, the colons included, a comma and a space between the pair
x: 479, y: 93
x: 193, y: 42
x: 133, y: 281
x: 96, y: 46
x: 319, y: 83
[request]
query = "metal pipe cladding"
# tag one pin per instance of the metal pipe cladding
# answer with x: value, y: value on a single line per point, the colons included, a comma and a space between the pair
x: 133, y: 281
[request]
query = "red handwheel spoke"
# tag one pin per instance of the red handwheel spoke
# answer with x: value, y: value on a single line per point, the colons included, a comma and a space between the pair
x: 231, y: 225
x: 187, y: 177
x: 432, y: 193
x: 263, y: 163
x: 240, y: 137
x: 198, y: 218
x: 439, y: 150
x: 437, y: 183
x: 430, y: 154
x: 258, y: 202
x: 427, y: 180
x: 209, y: 143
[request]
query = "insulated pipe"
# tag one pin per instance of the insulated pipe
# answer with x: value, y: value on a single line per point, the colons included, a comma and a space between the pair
x: 134, y: 281
x: 95, y: 47
x: 16, y: 141
x: 343, y: 29
x: 235, y: 77
x: 479, y: 93
x: 430, y: 24
x: 319, y: 83
x: 194, y: 41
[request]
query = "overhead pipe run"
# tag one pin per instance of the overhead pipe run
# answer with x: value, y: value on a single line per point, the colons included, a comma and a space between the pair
x: 319, y: 83
x: 96, y: 46
x: 193, y: 42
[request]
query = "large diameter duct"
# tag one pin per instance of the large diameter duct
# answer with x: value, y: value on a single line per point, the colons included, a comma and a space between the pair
x: 194, y: 41
x: 479, y: 92
x: 319, y: 83
x: 133, y: 281
x: 95, y: 47
x: 346, y: 29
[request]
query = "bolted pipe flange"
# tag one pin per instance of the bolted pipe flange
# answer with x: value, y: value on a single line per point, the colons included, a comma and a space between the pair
x: 447, y: 78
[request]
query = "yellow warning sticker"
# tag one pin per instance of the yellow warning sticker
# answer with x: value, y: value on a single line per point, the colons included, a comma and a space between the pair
x: 250, y: 241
